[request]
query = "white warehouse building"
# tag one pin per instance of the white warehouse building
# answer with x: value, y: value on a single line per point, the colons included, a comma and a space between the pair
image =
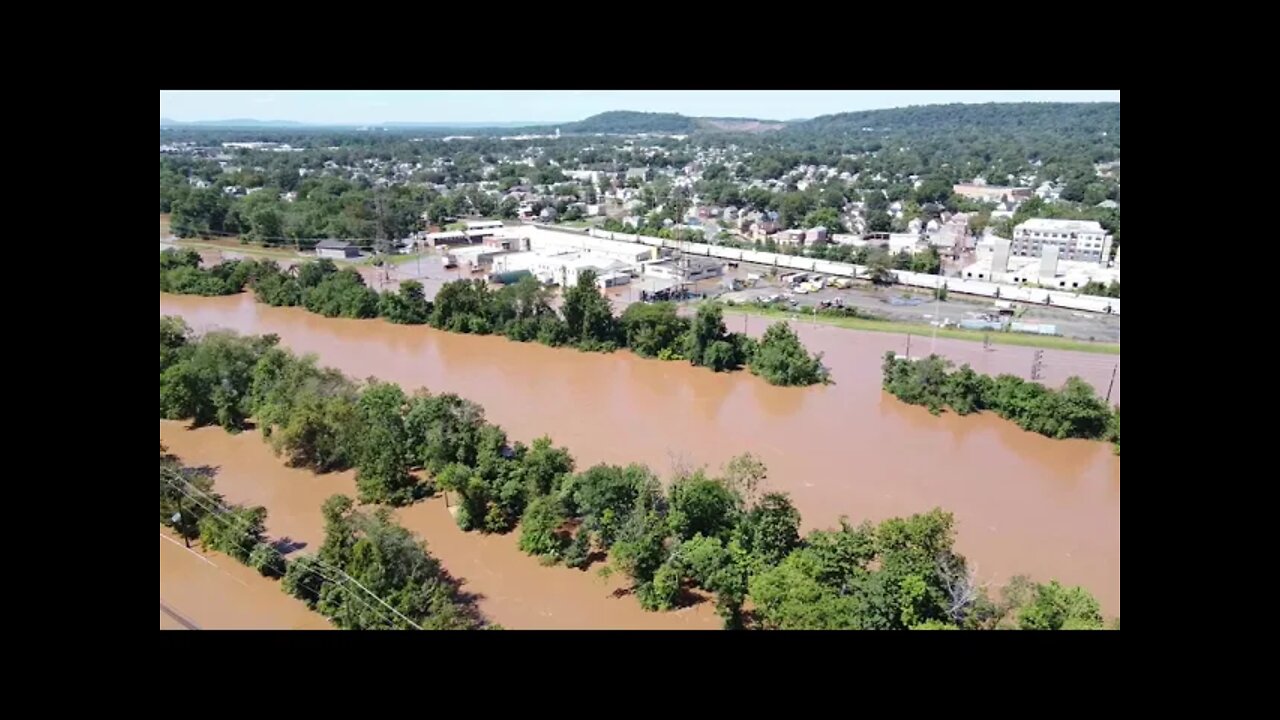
x: 552, y: 241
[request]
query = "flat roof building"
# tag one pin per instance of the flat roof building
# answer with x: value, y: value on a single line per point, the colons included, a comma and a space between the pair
x: 336, y: 249
x: 1080, y: 240
x: 689, y: 269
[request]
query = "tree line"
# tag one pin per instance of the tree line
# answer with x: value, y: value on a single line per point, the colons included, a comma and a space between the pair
x: 370, y: 574
x: 723, y: 535
x: 521, y: 312
x: 1074, y: 411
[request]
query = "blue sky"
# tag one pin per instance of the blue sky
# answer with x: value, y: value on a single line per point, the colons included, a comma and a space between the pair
x: 375, y: 106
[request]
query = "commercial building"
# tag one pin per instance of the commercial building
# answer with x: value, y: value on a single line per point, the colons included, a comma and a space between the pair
x: 1077, y: 240
x: 553, y: 241
x: 477, y: 257
x: 336, y: 250
x: 996, y: 263
x: 562, y: 267
x: 687, y: 270
x: 440, y: 239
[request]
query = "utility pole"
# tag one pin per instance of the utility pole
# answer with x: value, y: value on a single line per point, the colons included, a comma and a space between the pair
x: 908, y: 346
x: 1037, y: 365
x: 1113, y: 382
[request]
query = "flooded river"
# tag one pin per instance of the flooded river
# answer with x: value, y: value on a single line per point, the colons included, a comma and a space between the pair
x: 512, y: 589
x: 210, y: 591
x: 1023, y: 503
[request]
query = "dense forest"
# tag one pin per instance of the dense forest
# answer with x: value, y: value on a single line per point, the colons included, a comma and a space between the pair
x: 722, y: 534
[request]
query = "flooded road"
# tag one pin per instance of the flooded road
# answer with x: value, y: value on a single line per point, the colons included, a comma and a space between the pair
x: 1023, y: 503
x: 513, y: 589
x: 210, y: 591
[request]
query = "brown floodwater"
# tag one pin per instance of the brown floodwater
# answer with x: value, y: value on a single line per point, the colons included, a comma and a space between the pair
x: 210, y: 591
x: 1023, y: 503
x: 510, y: 587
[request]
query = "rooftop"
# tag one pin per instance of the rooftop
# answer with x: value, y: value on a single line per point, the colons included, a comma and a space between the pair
x: 1086, y: 226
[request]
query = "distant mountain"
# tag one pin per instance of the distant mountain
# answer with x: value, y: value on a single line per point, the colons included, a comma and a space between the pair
x: 624, y: 122
x: 628, y: 122
x: 618, y: 122
x: 234, y: 123
x: 747, y: 125
x: 1069, y: 118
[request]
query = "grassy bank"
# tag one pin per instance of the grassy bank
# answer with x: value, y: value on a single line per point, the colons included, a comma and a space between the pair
x: 398, y: 259
x: 255, y: 250
x: 904, y: 328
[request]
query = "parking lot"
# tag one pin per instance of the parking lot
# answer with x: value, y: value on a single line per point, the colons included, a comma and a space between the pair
x: 901, y: 304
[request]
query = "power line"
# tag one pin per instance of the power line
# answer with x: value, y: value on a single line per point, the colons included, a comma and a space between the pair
x: 220, y: 512
x: 319, y: 561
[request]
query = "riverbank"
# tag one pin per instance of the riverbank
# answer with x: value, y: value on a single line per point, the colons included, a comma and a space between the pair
x: 925, y: 331
x: 1023, y: 503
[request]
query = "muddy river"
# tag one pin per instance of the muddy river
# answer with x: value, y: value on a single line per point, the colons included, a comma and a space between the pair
x: 1023, y: 503
x: 210, y: 591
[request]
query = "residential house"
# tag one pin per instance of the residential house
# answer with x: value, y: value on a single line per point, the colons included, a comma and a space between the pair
x: 791, y: 237
x: 816, y: 235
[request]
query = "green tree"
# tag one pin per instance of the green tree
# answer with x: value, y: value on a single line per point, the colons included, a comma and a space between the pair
x: 702, y: 505
x: 545, y: 467
x: 540, y: 528
x: 388, y: 578
x: 382, y: 470
x: 234, y: 532
x: 409, y: 306
x: 651, y: 328
x: 824, y: 217
x: 186, y: 496
x: 781, y: 360
x: 879, y: 221
x: 709, y: 343
x: 266, y: 225
x: 578, y: 554
x: 1054, y: 607
x: 590, y: 320
x: 774, y: 526
x: 604, y: 496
